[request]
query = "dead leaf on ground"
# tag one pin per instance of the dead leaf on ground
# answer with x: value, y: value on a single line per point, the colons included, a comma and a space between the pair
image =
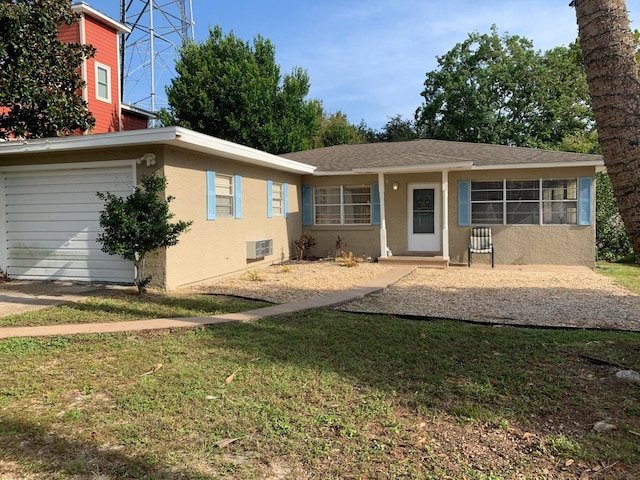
x: 230, y: 378
x: 155, y: 368
x: 226, y: 441
x: 569, y: 462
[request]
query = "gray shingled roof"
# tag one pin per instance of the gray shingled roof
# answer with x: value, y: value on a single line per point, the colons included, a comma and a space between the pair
x: 342, y: 158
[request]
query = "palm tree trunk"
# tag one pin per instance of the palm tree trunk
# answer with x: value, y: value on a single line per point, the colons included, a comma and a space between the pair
x: 608, y: 51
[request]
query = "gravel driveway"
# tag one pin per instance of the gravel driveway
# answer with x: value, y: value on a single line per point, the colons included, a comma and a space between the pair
x: 543, y: 296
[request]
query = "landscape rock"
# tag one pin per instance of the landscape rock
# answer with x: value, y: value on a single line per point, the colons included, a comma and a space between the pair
x: 630, y: 376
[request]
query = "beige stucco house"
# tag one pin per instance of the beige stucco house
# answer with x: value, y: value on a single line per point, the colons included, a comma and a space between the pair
x: 408, y: 198
x: 420, y: 198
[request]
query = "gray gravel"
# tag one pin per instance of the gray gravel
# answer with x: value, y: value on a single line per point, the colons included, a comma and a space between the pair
x: 541, y: 296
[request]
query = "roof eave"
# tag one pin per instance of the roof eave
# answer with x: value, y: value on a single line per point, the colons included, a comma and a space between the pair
x: 434, y: 167
x: 175, y: 136
x: 83, y: 8
x: 521, y: 166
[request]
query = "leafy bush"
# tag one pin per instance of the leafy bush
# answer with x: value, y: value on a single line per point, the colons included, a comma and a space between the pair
x: 136, y: 225
x: 611, y: 237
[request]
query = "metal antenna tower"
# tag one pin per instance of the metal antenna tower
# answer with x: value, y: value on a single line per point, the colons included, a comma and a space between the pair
x: 158, y: 29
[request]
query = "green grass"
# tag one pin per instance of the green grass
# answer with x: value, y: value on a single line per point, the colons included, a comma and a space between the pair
x: 117, y: 307
x: 626, y: 274
x: 324, y: 395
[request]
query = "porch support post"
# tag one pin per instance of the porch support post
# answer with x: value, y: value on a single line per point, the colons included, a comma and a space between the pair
x: 445, y: 214
x: 383, y: 222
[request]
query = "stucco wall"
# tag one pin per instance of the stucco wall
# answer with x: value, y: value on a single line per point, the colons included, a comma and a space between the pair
x: 218, y: 247
x: 355, y: 238
x: 514, y: 244
x: 526, y: 244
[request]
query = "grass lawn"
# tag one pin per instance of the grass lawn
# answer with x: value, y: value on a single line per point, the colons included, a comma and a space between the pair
x: 121, y: 306
x: 321, y: 395
x: 626, y: 274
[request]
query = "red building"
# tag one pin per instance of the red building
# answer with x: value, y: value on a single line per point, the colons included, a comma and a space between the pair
x: 102, y: 72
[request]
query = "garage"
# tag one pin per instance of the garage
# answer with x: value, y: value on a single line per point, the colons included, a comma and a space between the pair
x: 51, y: 221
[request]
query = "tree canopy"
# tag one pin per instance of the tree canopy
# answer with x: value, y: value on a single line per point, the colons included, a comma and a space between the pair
x: 39, y: 75
x: 498, y: 89
x: 233, y: 90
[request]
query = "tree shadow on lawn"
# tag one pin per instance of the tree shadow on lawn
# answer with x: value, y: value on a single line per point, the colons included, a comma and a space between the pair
x: 536, y: 378
x: 45, y: 452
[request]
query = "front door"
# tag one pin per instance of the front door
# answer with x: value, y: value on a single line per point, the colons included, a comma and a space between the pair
x: 424, y: 217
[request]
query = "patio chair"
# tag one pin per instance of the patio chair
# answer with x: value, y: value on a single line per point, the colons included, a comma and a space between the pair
x: 480, y: 242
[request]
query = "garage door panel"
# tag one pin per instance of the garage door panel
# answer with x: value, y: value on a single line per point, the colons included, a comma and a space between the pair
x: 55, y: 208
x: 84, y: 217
x: 84, y: 198
x: 67, y: 252
x: 70, y: 178
x: 59, y: 237
x: 52, y: 223
x: 67, y: 189
x: 55, y: 226
x: 64, y: 273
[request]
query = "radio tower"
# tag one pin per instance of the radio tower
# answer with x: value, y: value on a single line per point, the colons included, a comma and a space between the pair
x: 158, y: 29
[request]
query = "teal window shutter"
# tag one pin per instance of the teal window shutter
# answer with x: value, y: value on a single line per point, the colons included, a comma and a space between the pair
x: 211, y: 195
x: 307, y: 205
x: 375, y: 204
x: 269, y: 198
x: 237, y: 192
x: 285, y: 193
x: 585, y: 204
x: 464, y: 203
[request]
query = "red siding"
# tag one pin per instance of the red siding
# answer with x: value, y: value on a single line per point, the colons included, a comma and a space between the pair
x: 69, y: 33
x: 132, y: 121
x: 105, y: 41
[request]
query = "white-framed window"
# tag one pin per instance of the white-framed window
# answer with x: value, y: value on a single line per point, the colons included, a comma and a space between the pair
x: 524, y: 202
x: 277, y: 198
x: 224, y: 195
x: 342, y: 205
x: 560, y: 201
x: 103, y: 82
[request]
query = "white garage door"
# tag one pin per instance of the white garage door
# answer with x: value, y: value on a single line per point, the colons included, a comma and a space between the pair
x: 51, y: 220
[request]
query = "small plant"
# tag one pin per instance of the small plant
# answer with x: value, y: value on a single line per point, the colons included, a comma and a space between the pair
x: 348, y: 260
x: 286, y: 268
x: 254, y: 276
x: 303, y: 245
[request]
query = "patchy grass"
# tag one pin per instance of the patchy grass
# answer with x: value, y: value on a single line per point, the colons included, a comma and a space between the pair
x: 626, y: 274
x: 117, y: 307
x: 324, y: 395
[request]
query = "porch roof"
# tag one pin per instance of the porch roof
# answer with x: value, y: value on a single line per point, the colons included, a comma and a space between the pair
x: 434, y: 155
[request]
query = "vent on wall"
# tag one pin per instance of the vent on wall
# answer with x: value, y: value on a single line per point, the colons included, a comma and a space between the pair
x: 259, y: 248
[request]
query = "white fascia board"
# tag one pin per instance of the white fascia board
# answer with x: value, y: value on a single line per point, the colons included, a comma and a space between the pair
x: 330, y: 173
x: 223, y: 148
x: 435, y: 167
x: 83, y: 8
x: 174, y: 136
x: 522, y: 166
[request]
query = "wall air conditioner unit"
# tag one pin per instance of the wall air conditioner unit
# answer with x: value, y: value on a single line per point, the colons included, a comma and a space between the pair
x: 259, y: 249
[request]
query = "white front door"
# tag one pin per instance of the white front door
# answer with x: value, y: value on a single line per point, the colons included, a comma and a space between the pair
x: 423, y: 206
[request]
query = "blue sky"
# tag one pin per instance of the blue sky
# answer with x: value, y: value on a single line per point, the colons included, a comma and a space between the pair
x: 369, y: 58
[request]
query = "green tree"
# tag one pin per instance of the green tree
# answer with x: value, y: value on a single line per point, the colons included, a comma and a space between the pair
x: 39, y: 75
x: 336, y: 130
x: 230, y: 89
x: 398, y: 129
x: 611, y: 238
x: 498, y: 89
x: 138, y: 224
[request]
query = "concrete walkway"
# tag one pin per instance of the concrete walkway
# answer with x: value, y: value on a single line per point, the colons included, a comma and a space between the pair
x: 333, y: 299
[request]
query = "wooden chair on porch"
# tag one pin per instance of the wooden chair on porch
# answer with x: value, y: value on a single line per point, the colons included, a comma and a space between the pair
x: 480, y: 242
